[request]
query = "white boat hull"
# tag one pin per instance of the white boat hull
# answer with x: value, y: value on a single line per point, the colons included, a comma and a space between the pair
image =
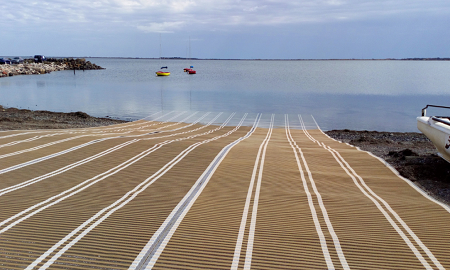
x: 438, y: 133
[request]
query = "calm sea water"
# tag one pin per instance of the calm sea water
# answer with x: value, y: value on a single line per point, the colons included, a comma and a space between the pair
x: 361, y: 95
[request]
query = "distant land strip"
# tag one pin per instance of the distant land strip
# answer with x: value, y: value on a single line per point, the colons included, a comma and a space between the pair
x: 299, y: 59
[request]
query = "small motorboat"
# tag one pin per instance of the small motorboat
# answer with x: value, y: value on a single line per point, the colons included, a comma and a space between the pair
x: 190, y: 70
x: 162, y: 73
x: 437, y: 129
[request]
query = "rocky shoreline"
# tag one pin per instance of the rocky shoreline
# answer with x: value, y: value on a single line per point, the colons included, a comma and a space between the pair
x: 412, y: 154
x: 52, y: 64
x: 22, y: 119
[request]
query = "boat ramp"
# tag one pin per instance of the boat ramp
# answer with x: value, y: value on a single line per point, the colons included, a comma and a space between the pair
x: 186, y: 190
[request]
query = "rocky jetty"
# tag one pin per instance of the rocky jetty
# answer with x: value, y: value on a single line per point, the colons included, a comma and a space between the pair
x: 52, y: 64
x: 77, y: 64
x: 29, y: 69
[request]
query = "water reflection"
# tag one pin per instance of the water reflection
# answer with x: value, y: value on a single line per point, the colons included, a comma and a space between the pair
x: 373, y: 95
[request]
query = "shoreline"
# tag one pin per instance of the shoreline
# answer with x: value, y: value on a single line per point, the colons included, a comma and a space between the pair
x: 30, y: 69
x: 27, y: 68
x: 412, y: 154
x: 23, y: 119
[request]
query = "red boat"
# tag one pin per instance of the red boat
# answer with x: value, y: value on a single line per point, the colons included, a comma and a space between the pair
x: 190, y: 70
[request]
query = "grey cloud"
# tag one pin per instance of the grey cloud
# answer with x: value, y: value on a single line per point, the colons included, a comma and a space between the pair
x: 321, y: 28
x: 173, y: 14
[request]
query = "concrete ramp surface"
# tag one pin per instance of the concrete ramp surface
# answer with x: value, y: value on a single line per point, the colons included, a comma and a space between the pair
x: 191, y: 190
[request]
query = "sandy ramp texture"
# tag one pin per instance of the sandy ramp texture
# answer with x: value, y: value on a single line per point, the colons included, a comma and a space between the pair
x: 209, y: 191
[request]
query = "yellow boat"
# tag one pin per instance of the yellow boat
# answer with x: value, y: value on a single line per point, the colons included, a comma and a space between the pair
x: 162, y: 73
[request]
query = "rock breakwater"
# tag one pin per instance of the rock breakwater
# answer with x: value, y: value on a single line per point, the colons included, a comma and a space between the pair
x: 30, y: 69
x: 51, y: 65
x: 77, y: 64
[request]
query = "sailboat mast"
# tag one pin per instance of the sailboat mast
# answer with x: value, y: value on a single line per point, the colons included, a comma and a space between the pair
x: 160, y: 49
x: 161, y: 73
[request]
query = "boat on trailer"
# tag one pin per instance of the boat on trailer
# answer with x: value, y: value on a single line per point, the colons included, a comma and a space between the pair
x: 437, y: 129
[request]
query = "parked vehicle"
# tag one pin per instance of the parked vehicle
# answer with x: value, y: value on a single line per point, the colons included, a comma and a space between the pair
x: 4, y: 61
x: 39, y: 58
x: 17, y: 60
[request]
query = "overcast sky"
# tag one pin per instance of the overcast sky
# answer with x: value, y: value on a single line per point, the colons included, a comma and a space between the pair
x: 248, y: 29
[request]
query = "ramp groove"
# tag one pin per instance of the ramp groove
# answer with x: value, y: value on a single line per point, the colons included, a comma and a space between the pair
x: 202, y: 190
